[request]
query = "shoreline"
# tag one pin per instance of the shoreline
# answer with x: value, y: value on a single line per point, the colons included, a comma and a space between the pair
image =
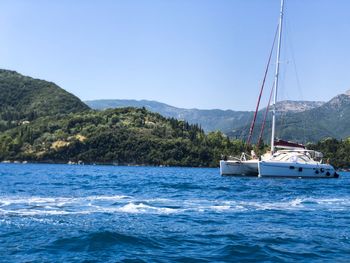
x: 103, y: 164
x: 80, y: 163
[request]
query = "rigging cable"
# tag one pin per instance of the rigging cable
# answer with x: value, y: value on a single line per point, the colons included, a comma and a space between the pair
x: 291, y: 48
x: 261, y: 90
x: 265, y: 116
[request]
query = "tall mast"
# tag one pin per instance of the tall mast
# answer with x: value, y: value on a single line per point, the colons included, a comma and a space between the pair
x: 276, y: 78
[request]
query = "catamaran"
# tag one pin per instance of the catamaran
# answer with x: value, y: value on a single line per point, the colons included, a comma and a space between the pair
x: 285, y: 159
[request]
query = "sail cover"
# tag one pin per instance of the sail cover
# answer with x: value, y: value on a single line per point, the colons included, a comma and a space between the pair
x: 288, y: 144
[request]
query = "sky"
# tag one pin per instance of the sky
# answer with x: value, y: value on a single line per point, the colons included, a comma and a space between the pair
x: 187, y: 53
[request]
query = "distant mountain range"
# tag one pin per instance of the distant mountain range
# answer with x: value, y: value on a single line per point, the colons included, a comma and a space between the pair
x: 302, y: 121
x: 210, y: 120
x: 331, y: 119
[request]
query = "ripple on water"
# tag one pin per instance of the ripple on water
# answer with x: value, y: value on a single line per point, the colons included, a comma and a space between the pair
x: 102, y: 240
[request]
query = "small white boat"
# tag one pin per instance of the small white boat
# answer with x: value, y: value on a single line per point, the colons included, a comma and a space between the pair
x: 297, y: 163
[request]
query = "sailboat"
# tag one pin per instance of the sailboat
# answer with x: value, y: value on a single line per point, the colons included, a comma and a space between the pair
x: 285, y: 159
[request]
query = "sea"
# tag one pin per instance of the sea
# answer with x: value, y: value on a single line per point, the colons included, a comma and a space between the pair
x: 83, y: 213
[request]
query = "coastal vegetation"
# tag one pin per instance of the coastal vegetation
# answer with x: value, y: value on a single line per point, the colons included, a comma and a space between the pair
x: 120, y: 136
x: 337, y: 152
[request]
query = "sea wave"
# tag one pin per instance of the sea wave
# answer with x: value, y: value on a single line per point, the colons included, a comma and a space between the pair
x: 104, y: 239
x: 31, y: 206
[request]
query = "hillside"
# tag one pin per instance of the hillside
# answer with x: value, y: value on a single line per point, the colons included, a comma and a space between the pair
x: 40, y: 122
x: 121, y: 136
x: 25, y: 99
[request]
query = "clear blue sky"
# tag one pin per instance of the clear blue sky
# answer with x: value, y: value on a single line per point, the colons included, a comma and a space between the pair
x: 187, y: 53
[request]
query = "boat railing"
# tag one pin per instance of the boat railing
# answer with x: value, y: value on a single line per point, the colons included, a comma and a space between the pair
x: 310, y: 154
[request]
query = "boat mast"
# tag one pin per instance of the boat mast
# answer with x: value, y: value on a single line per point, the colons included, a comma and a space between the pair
x: 276, y: 78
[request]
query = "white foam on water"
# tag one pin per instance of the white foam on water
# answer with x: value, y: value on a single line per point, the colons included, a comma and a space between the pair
x: 220, y: 207
x: 26, y: 212
x: 107, y: 198
x: 300, y: 204
x: 41, y: 206
x: 57, y: 201
x: 339, y: 204
x: 296, y: 202
x: 331, y: 201
x: 37, y: 206
x: 142, y: 208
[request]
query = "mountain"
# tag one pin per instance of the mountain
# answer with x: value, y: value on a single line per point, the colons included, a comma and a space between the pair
x: 292, y: 106
x: 331, y: 119
x: 210, y: 120
x: 25, y: 98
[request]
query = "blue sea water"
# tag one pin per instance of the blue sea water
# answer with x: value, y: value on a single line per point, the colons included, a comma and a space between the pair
x: 62, y: 213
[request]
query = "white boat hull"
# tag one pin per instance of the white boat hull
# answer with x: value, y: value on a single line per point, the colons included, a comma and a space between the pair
x: 247, y: 168
x: 296, y: 170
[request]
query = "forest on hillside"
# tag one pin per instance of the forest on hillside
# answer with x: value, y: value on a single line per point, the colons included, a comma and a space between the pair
x: 119, y: 136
